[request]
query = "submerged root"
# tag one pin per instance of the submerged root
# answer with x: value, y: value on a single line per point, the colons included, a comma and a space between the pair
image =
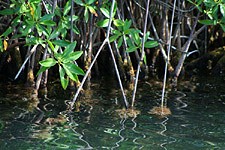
x: 126, y: 113
x: 160, y: 111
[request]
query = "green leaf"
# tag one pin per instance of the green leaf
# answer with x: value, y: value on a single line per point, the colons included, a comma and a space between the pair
x: 120, y: 42
x: 23, y: 9
x: 35, y: 1
x: 58, y: 12
x: 86, y: 15
x: 222, y: 9
x: 54, y: 34
x: 136, y: 38
x: 76, y: 30
x: 151, y: 44
x: 223, y: 27
x: 118, y: 22
x: 75, y: 55
x: 146, y: 36
x: 48, y: 23
x: 145, y: 59
x: 89, y: 2
x: 64, y: 82
x: 34, y: 40
x: 46, y: 17
x: 69, y: 49
x: 16, y: 21
x: 74, y: 69
x: 207, y: 22
x: 131, y: 49
x: 37, y: 12
x: 103, y: 23
x: 127, y: 25
x: 39, y: 29
x: 7, y: 12
x: 1, y: 46
x: 92, y: 10
x: 7, y: 32
x: 71, y: 75
x: 42, y: 69
x: 49, y: 62
x: 67, y: 8
x: 105, y: 12
x: 74, y: 18
x: 113, y: 38
x: 79, y: 2
x: 51, y: 45
x: 62, y: 43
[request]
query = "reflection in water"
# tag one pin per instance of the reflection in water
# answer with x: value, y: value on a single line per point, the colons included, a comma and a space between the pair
x: 163, y: 133
x: 196, y: 122
x: 73, y: 126
x: 122, y: 123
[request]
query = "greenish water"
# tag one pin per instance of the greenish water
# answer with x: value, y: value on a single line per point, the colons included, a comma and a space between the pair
x: 197, y: 120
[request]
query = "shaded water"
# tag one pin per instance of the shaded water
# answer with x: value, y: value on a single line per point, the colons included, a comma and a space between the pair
x: 197, y: 120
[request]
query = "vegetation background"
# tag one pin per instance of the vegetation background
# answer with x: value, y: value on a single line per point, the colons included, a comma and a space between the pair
x: 72, y: 41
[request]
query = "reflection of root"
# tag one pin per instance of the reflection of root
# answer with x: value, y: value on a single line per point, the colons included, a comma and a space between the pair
x: 160, y: 111
x: 125, y: 113
x: 60, y: 119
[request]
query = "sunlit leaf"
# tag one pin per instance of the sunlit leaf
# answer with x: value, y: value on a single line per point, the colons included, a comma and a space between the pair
x: 222, y: 9
x: 92, y: 10
x: 79, y: 2
x: 103, y: 23
x: 49, y: 62
x: 86, y: 15
x: 76, y: 30
x: 118, y: 22
x: 67, y: 8
x: 35, y: 1
x: 51, y: 45
x: 48, y: 23
x: 105, y: 12
x: 74, y: 69
x: 151, y: 44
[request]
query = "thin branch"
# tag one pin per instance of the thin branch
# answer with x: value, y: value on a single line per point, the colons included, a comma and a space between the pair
x: 94, y: 60
x: 142, y: 54
x: 168, y: 57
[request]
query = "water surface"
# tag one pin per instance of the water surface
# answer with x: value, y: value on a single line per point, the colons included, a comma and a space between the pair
x: 31, y: 122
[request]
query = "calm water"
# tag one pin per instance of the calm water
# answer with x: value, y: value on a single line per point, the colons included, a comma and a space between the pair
x: 197, y: 120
